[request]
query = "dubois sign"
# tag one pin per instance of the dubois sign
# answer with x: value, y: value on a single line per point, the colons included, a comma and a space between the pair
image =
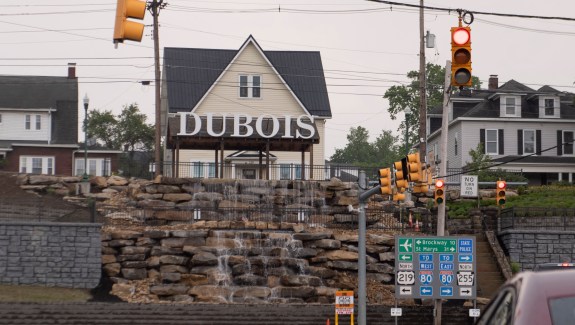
x: 244, y: 125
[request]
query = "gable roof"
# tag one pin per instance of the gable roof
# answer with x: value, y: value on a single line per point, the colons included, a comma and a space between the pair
x: 191, y: 72
x: 514, y: 86
x: 44, y: 92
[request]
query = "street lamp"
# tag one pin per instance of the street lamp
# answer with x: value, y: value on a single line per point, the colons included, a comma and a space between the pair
x: 86, y: 103
x: 407, y: 111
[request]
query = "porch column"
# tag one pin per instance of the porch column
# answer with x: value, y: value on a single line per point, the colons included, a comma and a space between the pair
x: 310, y: 161
x: 177, y: 158
x: 268, y: 160
x: 221, y: 158
x: 172, y: 163
x: 260, y: 163
x: 303, y: 165
x: 216, y: 163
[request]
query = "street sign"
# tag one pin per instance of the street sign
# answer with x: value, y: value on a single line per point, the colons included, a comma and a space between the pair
x: 435, y: 267
x: 474, y: 312
x: 468, y: 186
x: 405, y: 277
x: 395, y: 312
x: 344, y: 302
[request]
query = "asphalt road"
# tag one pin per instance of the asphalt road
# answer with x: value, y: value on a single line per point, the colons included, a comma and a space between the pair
x: 208, y: 314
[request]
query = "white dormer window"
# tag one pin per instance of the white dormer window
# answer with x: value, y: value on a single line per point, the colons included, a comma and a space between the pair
x: 511, y: 106
x: 250, y: 86
x: 548, y: 107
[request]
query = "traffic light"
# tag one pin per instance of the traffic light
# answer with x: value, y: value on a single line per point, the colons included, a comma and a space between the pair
x: 385, y: 180
x: 500, y: 193
x: 125, y: 29
x: 439, y: 191
x: 420, y: 188
x: 414, y: 167
x: 400, y: 173
x: 461, y: 56
x: 398, y: 197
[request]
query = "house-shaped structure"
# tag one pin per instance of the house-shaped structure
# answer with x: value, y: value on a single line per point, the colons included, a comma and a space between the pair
x: 520, y: 128
x: 245, y: 113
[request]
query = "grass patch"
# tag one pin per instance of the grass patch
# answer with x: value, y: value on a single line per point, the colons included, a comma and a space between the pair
x: 550, y: 196
x: 14, y: 293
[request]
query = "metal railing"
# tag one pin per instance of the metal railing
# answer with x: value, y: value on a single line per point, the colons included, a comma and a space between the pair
x: 291, y: 171
x: 239, y: 218
x: 532, y: 218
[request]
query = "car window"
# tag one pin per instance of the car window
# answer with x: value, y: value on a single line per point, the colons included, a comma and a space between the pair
x: 562, y: 310
x: 500, y: 310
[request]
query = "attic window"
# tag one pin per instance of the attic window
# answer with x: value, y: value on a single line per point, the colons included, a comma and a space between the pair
x: 549, y: 107
x: 510, y: 106
x: 250, y: 86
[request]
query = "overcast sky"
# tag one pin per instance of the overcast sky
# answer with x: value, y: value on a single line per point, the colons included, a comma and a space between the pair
x: 366, y: 47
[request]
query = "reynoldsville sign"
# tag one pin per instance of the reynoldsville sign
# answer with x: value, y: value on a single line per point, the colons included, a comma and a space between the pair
x: 244, y: 125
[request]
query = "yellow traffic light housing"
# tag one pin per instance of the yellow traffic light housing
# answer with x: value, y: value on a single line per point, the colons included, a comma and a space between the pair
x: 400, y: 173
x: 461, y: 56
x: 125, y: 29
x: 439, y: 195
x: 501, y: 187
x: 385, y: 181
x: 398, y: 197
x: 414, y: 168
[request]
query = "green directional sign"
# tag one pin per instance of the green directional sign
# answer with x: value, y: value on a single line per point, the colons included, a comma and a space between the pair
x: 435, y: 245
x: 405, y: 245
x: 405, y: 258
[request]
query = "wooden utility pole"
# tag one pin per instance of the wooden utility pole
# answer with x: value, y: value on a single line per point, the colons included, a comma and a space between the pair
x: 155, y: 7
x: 422, y: 89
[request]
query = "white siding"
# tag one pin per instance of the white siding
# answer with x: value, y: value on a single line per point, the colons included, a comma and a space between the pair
x: 13, y: 126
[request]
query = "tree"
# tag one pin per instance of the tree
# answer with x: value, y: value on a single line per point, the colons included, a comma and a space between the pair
x: 128, y: 131
x: 360, y: 152
x: 404, y: 96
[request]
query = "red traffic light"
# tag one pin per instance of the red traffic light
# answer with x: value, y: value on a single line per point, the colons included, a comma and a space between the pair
x: 439, y: 183
x: 501, y: 185
x: 461, y: 36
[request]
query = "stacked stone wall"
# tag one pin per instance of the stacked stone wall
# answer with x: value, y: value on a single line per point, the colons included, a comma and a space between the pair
x: 51, y: 254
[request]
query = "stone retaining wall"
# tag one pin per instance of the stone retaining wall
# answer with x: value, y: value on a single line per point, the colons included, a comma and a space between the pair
x: 51, y: 254
x: 532, y: 247
x: 230, y: 265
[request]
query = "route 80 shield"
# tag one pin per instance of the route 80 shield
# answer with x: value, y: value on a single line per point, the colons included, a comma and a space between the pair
x: 405, y: 277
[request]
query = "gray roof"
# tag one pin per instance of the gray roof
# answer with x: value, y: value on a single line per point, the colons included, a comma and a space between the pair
x: 34, y: 92
x: 190, y: 72
x: 514, y: 86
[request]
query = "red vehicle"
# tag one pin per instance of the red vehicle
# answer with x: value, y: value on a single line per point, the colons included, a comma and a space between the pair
x: 534, y: 298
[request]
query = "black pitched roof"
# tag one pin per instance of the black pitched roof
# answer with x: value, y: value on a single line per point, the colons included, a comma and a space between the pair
x: 514, y: 86
x: 190, y: 72
x: 548, y: 89
x: 34, y: 92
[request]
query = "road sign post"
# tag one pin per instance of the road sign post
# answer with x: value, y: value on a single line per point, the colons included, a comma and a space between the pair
x: 343, y: 304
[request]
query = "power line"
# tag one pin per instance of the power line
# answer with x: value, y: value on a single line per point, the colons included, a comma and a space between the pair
x: 472, y: 11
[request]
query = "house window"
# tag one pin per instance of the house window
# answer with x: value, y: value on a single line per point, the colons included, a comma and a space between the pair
x: 491, y: 142
x: 250, y: 86
x: 28, y: 118
x: 510, y: 106
x: 285, y: 171
x: 549, y: 107
x: 36, y: 165
x: 96, y: 166
x: 567, y: 142
x: 197, y: 169
x: 0, y: 118
x: 528, y: 142
x: 38, y: 122
x: 211, y: 170
x: 455, y: 146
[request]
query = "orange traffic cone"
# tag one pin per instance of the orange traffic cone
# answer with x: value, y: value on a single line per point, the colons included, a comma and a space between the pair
x: 416, y: 225
x: 327, y: 322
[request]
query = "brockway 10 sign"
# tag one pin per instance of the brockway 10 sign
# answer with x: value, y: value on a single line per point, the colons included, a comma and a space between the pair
x: 435, y: 267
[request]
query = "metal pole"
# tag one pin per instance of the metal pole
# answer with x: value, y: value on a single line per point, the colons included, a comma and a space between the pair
x: 422, y: 86
x: 86, y: 103
x: 362, y: 291
x: 443, y: 168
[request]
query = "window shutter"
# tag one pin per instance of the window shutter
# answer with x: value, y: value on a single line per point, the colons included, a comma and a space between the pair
x: 500, y: 138
x: 559, y: 143
x: 520, y: 142
x: 538, y: 142
x: 482, y: 139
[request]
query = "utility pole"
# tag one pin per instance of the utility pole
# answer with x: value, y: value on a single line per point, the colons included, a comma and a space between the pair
x: 422, y: 86
x: 155, y: 7
x: 443, y: 167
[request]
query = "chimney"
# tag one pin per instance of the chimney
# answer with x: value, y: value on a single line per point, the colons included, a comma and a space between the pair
x: 71, y: 70
x: 493, y: 82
